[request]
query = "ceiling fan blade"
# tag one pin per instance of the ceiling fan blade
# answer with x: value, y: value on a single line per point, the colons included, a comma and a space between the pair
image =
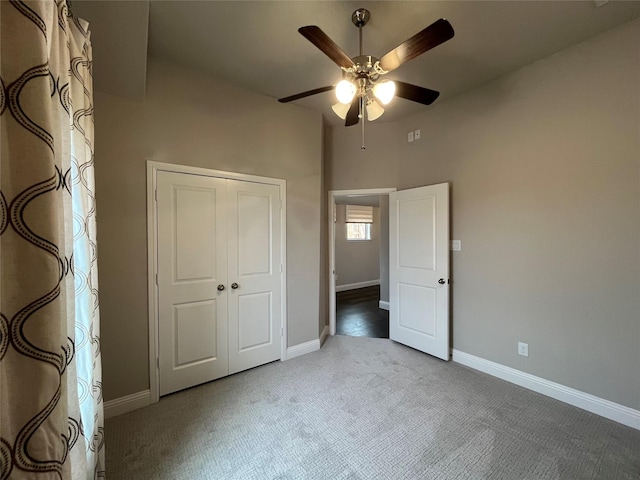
x: 438, y: 32
x: 328, y: 46
x: 305, y: 94
x: 354, y: 110
x: 415, y: 93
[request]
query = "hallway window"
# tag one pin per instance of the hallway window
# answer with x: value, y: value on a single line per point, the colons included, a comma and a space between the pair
x: 358, y: 231
x: 359, y: 219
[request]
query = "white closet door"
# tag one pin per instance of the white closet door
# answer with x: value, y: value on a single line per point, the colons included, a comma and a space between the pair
x: 255, y: 317
x: 192, y: 262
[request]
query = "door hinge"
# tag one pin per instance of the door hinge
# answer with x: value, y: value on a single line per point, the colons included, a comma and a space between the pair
x: 280, y: 268
x: 156, y: 279
x: 156, y: 194
x: 281, y: 332
x: 158, y: 362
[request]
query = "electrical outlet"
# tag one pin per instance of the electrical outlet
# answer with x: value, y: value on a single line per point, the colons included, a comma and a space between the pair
x: 523, y: 349
x: 416, y: 134
x: 456, y: 245
x: 410, y: 137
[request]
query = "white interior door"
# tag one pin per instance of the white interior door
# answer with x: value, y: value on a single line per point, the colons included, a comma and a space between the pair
x: 255, y: 267
x: 419, y: 268
x: 192, y: 262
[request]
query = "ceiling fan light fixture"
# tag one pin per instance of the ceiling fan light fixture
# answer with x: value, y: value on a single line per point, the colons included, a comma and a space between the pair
x: 345, y: 90
x: 361, y: 93
x: 374, y: 110
x: 384, y: 91
x: 341, y: 109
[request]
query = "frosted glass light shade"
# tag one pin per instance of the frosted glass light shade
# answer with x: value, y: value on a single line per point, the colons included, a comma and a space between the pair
x: 341, y: 109
x: 374, y: 110
x: 345, y: 90
x: 384, y: 91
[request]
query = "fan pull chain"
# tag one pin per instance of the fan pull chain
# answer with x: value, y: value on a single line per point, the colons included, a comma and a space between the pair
x: 362, y: 120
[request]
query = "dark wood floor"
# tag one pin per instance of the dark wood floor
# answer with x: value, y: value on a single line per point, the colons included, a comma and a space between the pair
x: 358, y: 315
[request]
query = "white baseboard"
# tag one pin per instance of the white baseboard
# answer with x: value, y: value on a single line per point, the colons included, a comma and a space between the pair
x: 324, y: 334
x: 353, y: 286
x: 303, y: 349
x: 591, y: 403
x: 383, y: 305
x: 128, y: 403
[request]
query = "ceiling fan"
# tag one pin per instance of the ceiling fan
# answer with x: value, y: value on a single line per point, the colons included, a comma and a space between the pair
x: 362, y: 88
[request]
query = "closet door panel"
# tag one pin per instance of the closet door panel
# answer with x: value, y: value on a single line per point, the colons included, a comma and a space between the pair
x: 192, y: 262
x: 255, y: 267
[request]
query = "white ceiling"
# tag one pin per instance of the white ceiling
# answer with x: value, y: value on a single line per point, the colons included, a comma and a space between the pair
x: 256, y: 44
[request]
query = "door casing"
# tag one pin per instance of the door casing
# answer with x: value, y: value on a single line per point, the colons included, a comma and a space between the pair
x: 152, y: 254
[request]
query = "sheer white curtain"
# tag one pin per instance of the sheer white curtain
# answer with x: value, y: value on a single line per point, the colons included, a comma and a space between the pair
x: 51, y: 415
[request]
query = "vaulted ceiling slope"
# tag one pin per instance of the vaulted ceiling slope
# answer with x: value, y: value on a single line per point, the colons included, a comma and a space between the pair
x: 256, y: 45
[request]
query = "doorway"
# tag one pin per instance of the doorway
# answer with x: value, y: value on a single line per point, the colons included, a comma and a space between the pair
x: 362, y: 304
x: 418, y: 266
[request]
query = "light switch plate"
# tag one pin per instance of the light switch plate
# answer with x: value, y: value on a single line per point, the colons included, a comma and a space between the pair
x: 456, y: 245
x: 416, y: 134
x: 410, y: 137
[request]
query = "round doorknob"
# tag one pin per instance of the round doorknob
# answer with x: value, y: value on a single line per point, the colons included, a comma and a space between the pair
x: 220, y: 287
x: 441, y: 281
x: 234, y: 285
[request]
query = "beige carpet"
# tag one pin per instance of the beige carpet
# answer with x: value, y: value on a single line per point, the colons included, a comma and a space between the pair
x: 366, y: 408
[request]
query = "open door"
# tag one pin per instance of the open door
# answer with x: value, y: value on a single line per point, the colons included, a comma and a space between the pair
x: 419, y: 268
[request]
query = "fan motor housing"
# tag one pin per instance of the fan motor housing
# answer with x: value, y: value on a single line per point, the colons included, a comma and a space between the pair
x: 365, y: 67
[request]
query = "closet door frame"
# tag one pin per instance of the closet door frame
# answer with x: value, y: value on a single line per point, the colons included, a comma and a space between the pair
x: 153, y: 168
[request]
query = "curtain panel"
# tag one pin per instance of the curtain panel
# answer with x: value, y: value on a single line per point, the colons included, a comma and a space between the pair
x: 51, y: 413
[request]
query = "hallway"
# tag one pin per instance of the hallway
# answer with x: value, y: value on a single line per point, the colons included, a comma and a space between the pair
x: 358, y: 315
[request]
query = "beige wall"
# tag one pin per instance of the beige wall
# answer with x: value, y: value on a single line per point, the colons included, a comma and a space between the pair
x: 544, y: 166
x: 347, y: 167
x: 323, y: 292
x: 356, y: 261
x: 188, y: 118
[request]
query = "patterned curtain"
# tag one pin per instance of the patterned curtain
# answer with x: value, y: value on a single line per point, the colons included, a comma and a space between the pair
x: 51, y: 415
